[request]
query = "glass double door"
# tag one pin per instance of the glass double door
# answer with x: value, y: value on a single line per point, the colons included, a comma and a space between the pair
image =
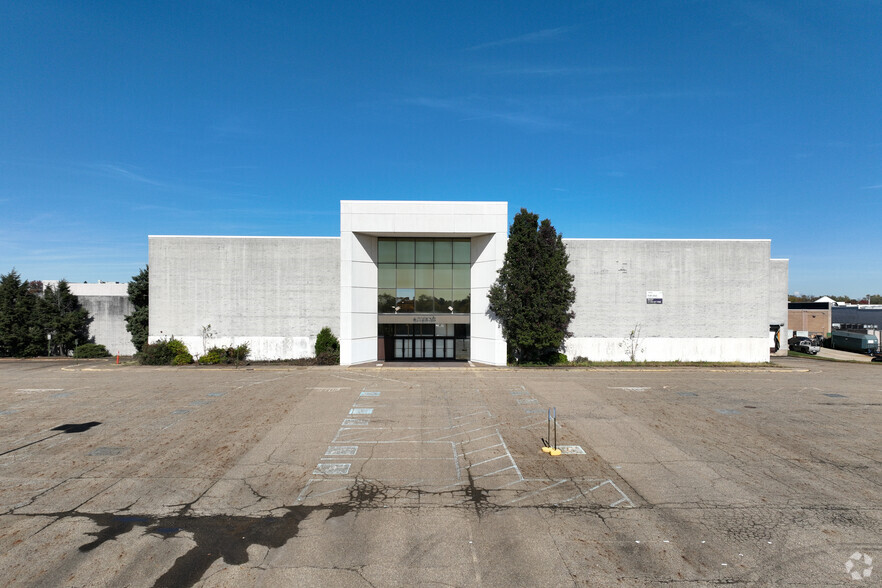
x: 433, y: 348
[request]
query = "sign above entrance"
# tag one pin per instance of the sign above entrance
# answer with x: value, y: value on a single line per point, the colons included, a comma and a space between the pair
x: 417, y: 319
x: 654, y: 297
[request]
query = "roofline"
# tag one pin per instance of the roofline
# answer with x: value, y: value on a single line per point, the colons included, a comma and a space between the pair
x: 690, y: 240
x: 236, y: 237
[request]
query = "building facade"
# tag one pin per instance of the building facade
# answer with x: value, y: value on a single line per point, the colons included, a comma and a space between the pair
x: 409, y: 281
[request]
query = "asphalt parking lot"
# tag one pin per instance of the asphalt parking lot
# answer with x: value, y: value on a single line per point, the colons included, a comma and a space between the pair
x: 290, y: 476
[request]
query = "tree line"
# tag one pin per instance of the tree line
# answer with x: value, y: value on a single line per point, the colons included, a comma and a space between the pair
x: 37, y: 320
x: 868, y: 299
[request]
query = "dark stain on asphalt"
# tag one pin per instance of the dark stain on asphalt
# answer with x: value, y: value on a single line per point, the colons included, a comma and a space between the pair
x: 226, y: 537
x: 229, y: 537
x: 479, y: 497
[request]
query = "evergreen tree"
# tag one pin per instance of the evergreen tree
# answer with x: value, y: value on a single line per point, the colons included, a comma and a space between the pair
x: 534, y: 292
x: 61, y: 314
x: 139, y: 296
x: 21, y: 334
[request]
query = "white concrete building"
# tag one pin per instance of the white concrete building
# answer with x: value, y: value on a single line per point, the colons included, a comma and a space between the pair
x: 409, y: 281
x: 108, y: 304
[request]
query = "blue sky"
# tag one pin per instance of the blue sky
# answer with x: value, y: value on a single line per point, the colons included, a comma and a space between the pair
x: 613, y: 119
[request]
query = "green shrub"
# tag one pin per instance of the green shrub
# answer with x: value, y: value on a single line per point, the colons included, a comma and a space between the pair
x: 226, y: 354
x: 326, y: 342
x: 164, y: 353
x: 182, y: 359
x: 177, y: 347
x: 90, y: 350
x: 213, y: 356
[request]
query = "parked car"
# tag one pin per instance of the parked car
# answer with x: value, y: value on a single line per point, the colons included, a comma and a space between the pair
x: 804, y: 345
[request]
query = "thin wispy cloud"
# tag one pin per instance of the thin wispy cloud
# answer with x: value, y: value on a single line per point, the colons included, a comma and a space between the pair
x: 468, y: 110
x: 534, y: 37
x: 124, y: 173
x: 875, y: 187
x: 545, y: 71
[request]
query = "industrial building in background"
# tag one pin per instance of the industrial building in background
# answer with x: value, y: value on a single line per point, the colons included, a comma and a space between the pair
x: 408, y: 280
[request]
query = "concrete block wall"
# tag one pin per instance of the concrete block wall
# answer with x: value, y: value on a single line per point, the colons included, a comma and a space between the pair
x: 275, y: 293
x: 715, y: 299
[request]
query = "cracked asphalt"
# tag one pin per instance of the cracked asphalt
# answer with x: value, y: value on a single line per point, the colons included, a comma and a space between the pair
x: 291, y: 476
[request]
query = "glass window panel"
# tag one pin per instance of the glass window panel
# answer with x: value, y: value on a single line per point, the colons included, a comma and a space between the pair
x: 418, y: 349
x: 386, y: 251
x: 461, y: 331
x: 386, y: 275
x: 448, y: 348
x: 408, y: 348
x: 439, y: 348
x: 443, y: 251
x: 424, y: 275
x: 399, y: 348
x: 461, y: 275
x: 461, y: 301
x: 429, y: 350
x: 441, y: 330
x: 404, y: 276
x: 386, y: 300
x: 443, y: 275
x: 462, y: 252
x: 405, y: 251
x: 402, y: 330
x: 423, y: 301
x: 425, y: 252
x: 443, y: 299
x: 404, y: 300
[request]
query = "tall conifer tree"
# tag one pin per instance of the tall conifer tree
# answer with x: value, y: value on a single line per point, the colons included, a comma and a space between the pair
x: 533, y: 294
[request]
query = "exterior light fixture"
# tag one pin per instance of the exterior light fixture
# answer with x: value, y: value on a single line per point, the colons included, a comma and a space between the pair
x: 450, y: 308
x: 397, y: 308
